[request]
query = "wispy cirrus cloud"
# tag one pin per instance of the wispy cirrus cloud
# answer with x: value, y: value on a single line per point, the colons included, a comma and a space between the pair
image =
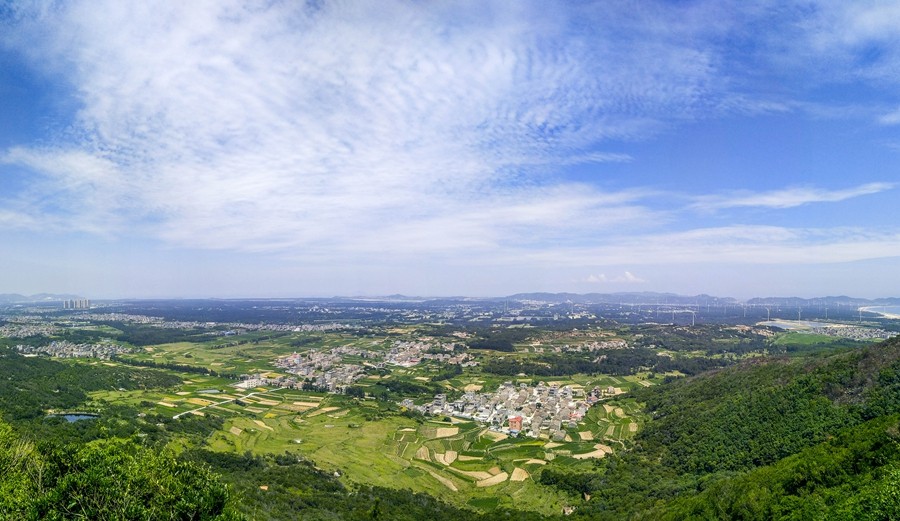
x: 626, y: 278
x: 289, y: 127
x: 787, y: 197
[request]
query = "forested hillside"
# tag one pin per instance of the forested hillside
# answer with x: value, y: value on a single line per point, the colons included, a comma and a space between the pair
x: 813, y: 438
x: 805, y: 437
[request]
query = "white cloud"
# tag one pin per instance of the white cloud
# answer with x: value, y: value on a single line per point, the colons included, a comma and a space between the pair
x: 731, y: 245
x: 787, y: 197
x: 294, y: 129
x: 626, y: 278
x: 891, y: 118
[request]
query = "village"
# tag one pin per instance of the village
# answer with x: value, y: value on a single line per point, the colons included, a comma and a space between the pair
x: 544, y: 410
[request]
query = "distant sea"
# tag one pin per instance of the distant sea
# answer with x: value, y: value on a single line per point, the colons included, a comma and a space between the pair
x: 891, y: 310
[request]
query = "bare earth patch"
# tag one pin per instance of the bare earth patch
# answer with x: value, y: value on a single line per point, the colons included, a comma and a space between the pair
x: 608, y: 408
x: 267, y: 402
x: 632, y: 427
x: 551, y: 445
x: 519, y: 475
x: 322, y: 411
x: 620, y: 413
x: 496, y: 480
x: 236, y: 431
x: 496, y: 436
x: 445, y: 432
x: 536, y: 462
x: 471, y: 388
x: 586, y: 435
x: 422, y: 453
x: 166, y: 404
x: 494, y: 471
x: 479, y: 475
x: 469, y: 458
x: 446, y: 482
x: 200, y: 401
x: 645, y: 383
x: 611, y: 430
x: 310, y: 405
x: 450, y: 456
x: 262, y: 425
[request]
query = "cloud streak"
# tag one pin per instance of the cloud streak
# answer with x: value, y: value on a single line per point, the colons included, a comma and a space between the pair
x: 350, y: 131
x: 787, y: 198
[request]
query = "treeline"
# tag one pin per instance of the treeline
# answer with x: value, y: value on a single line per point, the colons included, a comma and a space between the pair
x: 617, y: 362
x: 146, y: 335
x: 193, y: 369
x: 395, y: 389
x: 31, y: 385
x: 105, y: 479
x: 767, y: 439
x: 498, y: 339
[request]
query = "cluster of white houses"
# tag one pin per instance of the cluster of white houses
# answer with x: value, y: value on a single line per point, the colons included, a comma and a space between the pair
x: 542, y: 410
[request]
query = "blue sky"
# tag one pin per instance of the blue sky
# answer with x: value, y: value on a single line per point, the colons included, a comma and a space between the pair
x: 449, y: 148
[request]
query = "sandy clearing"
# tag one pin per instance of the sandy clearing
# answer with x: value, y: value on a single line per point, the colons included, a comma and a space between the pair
x: 200, y: 401
x: 479, y: 475
x: 469, y: 458
x: 446, y: 482
x: 608, y: 408
x: 311, y: 405
x: 595, y: 454
x: 217, y: 363
x: 496, y: 436
x: 645, y: 383
x: 605, y: 448
x: 611, y: 430
x: 255, y: 410
x: 471, y: 388
x: 339, y: 414
x: 236, y: 431
x: 183, y: 393
x: 422, y: 378
x: 519, y: 475
x: 295, y: 408
x: 632, y: 427
x: 494, y: 471
x: 536, y: 462
x: 439, y: 458
x: 551, y: 445
x: 496, y: 480
x: 322, y: 411
x: 198, y: 413
x: 450, y: 456
x: 422, y: 453
x: 166, y: 404
x: 619, y: 412
x: 567, y: 438
x: 586, y: 435
x: 267, y: 402
x: 407, y: 429
x: 445, y: 432
x: 262, y: 425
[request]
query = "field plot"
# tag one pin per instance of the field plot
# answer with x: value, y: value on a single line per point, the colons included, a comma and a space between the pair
x: 457, y: 460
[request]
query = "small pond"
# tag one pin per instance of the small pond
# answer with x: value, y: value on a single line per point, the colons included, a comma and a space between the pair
x: 75, y: 416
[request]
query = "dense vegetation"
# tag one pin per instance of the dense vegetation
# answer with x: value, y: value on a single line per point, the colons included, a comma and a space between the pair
x: 813, y: 435
x: 29, y: 386
x: 104, y: 479
x: 618, y: 362
x: 770, y: 439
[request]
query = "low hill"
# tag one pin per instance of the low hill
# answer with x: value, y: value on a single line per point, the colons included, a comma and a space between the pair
x: 778, y: 438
